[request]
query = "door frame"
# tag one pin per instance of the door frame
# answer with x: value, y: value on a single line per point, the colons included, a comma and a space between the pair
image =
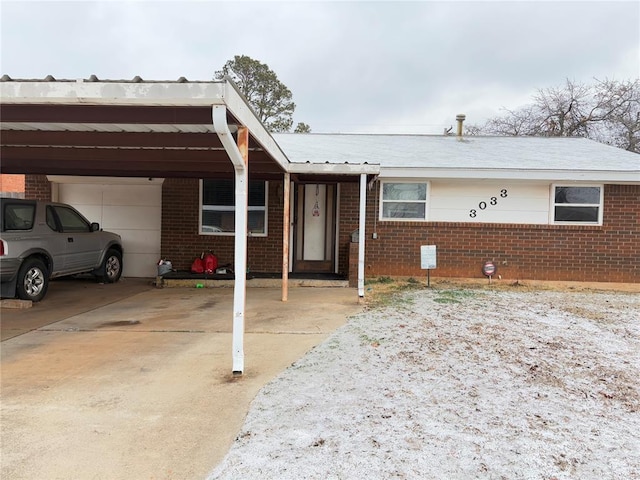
x: 331, y: 229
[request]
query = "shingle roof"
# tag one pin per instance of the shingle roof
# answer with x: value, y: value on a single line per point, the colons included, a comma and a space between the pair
x: 472, y: 152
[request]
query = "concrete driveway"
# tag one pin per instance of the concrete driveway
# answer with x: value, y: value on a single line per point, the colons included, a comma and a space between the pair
x: 139, y: 385
x: 66, y: 297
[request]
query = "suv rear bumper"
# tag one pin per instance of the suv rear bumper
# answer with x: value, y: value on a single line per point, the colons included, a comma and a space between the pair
x: 8, y: 277
x: 9, y: 269
x: 8, y: 289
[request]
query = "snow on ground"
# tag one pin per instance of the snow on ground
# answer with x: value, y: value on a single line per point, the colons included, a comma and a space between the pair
x: 457, y: 383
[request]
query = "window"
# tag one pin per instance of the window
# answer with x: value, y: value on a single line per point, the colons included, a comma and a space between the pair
x: 577, y: 204
x: 217, y: 216
x: 18, y: 216
x: 70, y: 220
x: 406, y: 200
x: 51, y: 220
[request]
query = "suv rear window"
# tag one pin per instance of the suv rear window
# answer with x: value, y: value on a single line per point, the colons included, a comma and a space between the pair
x: 18, y: 216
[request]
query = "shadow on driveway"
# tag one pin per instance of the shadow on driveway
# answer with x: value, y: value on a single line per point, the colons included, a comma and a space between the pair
x: 66, y: 297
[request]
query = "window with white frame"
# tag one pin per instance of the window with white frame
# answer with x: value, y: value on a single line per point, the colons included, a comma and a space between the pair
x: 577, y: 204
x: 217, y: 213
x: 403, y: 201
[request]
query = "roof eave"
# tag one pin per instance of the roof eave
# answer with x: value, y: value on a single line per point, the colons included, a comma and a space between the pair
x: 334, y: 168
x: 114, y: 93
x: 631, y: 177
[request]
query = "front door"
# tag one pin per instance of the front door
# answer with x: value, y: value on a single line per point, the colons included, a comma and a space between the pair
x: 314, y: 227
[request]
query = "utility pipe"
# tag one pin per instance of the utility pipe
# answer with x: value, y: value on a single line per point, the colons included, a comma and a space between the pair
x: 239, y: 155
x: 460, y: 120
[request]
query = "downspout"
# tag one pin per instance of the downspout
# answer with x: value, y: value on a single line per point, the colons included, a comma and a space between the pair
x: 239, y: 158
x: 361, y: 233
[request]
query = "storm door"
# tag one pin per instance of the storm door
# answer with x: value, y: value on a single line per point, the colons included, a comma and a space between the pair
x: 314, y: 222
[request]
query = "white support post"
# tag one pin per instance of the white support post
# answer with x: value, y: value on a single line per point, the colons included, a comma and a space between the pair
x: 361, y: 233
x: 240, y: 268
x: 286, y: 230
x: 239, y: 156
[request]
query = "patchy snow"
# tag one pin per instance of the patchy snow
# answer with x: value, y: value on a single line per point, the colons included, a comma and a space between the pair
x: 457, y: 384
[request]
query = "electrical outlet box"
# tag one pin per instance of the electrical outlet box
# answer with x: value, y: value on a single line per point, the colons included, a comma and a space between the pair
x: 374, y: 235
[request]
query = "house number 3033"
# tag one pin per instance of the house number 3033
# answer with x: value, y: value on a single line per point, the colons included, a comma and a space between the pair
x: 473, y: 213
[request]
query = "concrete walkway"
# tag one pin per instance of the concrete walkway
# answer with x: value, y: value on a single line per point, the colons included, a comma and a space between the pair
x: 142, y: 387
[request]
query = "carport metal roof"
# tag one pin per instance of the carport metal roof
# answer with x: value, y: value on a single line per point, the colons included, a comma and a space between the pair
x: 127, y: 128
x: 137, y: 128
x: 92, y: 127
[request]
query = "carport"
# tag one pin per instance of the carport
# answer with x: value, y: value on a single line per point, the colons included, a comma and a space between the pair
x: 137, y: 128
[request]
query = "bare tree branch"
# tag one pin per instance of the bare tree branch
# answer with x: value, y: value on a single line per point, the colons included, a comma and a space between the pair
x: 607, y: 111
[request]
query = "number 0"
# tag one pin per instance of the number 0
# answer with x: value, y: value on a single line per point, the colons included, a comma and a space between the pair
x: 482, y: 205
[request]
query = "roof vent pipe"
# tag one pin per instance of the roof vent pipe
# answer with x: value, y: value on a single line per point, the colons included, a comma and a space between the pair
x: 460, y: 119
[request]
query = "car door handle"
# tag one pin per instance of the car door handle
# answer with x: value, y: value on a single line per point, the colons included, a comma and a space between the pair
x: 70, y: 239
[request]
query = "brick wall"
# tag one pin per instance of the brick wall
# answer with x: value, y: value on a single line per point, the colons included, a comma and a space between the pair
x: 349, y: 221
x: 181, y: 242
x: 610, y: 252
x: 37, y: 187
x: 353, y: 265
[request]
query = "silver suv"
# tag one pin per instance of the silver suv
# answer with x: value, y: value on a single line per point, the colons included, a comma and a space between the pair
x: 44, y: 240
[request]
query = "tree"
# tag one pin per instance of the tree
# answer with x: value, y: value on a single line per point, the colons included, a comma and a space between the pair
x: 302, y: 128
x: 269, y: 97
x: 620, y: 102
x: 522, y: 121
x: 607, y: 111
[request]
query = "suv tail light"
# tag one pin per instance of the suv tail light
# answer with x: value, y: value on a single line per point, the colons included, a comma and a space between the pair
x: 2, y: 249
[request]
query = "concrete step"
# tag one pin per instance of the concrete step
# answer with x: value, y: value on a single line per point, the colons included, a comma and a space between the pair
x: 251, y: 283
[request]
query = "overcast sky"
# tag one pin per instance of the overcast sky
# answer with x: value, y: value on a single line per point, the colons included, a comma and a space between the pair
x: 393, y: 67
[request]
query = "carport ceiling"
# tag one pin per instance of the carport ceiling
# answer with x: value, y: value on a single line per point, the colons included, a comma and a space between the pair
x: 128, y: 140
x: 120, y: 140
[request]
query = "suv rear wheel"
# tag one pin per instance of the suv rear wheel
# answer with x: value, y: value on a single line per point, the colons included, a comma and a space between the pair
x: 33, y: 280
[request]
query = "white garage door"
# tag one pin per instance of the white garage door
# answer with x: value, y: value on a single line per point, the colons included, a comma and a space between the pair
x: 130, y: 207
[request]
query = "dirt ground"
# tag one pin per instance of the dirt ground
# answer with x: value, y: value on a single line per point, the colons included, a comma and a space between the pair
x: 460, y: 380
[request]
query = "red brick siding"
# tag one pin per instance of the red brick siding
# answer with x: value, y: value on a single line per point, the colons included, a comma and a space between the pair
x: 551, y: 252
x: 608, y: 253
x: 37, y: 187
x: 353, y: 265
x: 181, y: 242
x: 349, y: 213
